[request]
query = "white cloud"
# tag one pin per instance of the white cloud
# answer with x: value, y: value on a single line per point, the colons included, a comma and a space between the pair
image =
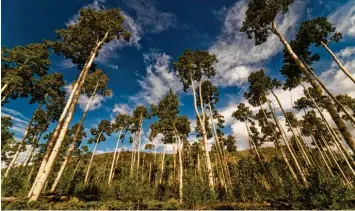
x: 13, y: 112
x: 66, y: 64
x: 14, y: 119
x: 344, y: 18
x: 96, y: 102
x: 335, y: 79
x: 18, y: 119
x: 237, y: 55
x: 96, y: 4
x: 113, y: 66
x: 158, y: 80
x: 122, y: 108
x: 153, y: 20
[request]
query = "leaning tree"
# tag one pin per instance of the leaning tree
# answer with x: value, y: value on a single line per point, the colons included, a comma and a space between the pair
x: 95, y: 84
x: 259, y: 22
x: 81, y: 43
x: 321, y: 32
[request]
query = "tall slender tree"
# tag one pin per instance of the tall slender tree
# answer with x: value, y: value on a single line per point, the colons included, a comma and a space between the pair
x: 96, y: 84
x: 320, y: 32
x: 140, y: 113
x: 191, y: 67
x: 259, y: 89
x: 260, y: 21
x: 81, y: 43
x: 122, y: 123
x: 210, y: 98
x: 103, y: 128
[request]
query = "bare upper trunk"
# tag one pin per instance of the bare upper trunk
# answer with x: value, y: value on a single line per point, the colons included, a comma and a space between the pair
x: 346, y: 72
x: 329, y: 105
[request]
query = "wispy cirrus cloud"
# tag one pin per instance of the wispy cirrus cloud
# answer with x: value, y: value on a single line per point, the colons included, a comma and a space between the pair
x: 149, y: 16
x: 159, y: 78
x: 344, y: 18
x: 156, y: 83
x: 19, y: 121
x: 122, y: 108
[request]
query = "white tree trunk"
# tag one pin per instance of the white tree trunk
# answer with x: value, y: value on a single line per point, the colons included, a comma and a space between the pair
x: 114, y: 158
x: 346, y: 72
x: 304, y: 155
x: 45, y: 174
x: 56, y: 133
x: 162, y: 166
x: 311, y: 77
x: 180, y: 147
x: 204, y: 136
x: 72, y: 145
x: 76, y: 168
x: 3, y: 88
x: 298, y: 167
x: 91, y: 159
x: 284, y: 157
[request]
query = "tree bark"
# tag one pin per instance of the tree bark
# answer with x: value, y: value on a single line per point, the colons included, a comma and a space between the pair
x: 139, y: 141
x: 300, y: 170
x: 48, y: 167
x: 331, y: 130
x: 180, y: 146
x: 162, y: 166
x: 150, y: 172
x: 220, y: 154
x: 91, y: 159
x: 114, y: 158
x: 336, y: 163
x: 346, y: 72
x: 117, y: 159
x: 76, y: 168
x: 204, y: 135
x: 304, y: 155
x: 329, y: 105
x: 284, y: 157
x: 72, y: 145
x: 31, y: 172
x: 3, y: 88
x: 55, y: 134
x: 322, y: 156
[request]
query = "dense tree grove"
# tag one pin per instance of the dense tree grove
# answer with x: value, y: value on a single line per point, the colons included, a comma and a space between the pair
x: 298, y: 158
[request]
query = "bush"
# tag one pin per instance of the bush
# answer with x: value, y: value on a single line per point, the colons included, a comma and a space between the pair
x: 15, y: 184
x: 325, y: 192
x: 196, y: 192
x: 247, y: 177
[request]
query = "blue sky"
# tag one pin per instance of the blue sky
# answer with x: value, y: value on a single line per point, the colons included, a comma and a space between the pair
x: 140, y: 72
